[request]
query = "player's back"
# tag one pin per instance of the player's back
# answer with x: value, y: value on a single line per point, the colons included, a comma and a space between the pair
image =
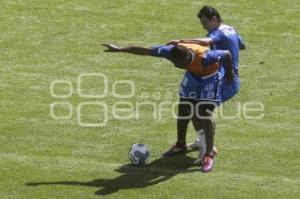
x: 227, y: 39
x: 197, y: 65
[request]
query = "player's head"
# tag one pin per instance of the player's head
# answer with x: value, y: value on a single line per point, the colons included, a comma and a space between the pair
x: 209, y: 17
x: 180, y: 56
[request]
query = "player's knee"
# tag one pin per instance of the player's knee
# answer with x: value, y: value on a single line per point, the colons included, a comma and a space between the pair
x: 185, y: 108
x: 205, y: 110
x: 227, y: 94
x: 237, y: 89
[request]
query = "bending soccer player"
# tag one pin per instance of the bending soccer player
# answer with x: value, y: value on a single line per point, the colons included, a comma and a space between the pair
x: 219, y: 37
x: 199, y: 91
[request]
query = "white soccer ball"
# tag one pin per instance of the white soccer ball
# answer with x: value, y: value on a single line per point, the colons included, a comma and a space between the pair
x: 139, y: 154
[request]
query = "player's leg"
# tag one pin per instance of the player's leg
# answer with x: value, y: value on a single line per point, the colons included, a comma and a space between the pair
x: 185, y: 108
x: 196, y: 145
x: 200, y: 142
x: 206, y: 93
x: 229, y: 90
x: 204, y: 121
x: 188, y: 90
x: 205, y: 124
x: 208, y: 132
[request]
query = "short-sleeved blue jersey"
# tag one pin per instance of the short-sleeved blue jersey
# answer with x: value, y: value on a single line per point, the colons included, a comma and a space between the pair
x: 226, y: 38
x: 212, y: 56
x: 162, y: 51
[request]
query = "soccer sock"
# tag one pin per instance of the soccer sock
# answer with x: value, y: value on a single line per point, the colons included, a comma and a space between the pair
x: 202, y: 141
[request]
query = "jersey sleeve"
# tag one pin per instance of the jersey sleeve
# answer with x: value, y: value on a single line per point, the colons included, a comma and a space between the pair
x: 212, y: 56
x: 216, y: 36
x: 162, y: 51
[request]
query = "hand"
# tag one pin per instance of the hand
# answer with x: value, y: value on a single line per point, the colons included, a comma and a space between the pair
x: 229, y: 76
x: 173, y: 42
x: 111, y: 48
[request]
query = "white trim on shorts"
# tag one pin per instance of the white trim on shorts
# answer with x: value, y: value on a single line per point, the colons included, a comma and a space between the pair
x: 210, y: 75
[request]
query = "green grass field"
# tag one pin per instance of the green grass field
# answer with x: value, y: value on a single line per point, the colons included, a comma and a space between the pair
x: 45, y: 41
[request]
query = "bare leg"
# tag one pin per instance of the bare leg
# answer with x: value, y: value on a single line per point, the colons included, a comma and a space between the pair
x: 204, y: 121
x: 184, y: 115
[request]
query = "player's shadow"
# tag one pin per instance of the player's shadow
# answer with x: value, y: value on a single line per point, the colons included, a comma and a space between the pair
x: 155, y: 172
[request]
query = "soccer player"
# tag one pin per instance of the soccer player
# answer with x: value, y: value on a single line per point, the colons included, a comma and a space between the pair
x: 199, y: 90
x: 221, y: 37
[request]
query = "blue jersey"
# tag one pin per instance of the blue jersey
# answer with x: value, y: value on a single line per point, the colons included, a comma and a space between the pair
x: 197, y: 87
x: 226, y: 38
x: 162, y: 51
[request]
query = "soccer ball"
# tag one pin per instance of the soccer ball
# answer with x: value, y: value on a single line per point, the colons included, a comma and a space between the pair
x: 139, y: 154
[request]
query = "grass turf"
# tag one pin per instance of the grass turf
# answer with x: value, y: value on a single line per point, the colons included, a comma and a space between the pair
x: 44, y: 41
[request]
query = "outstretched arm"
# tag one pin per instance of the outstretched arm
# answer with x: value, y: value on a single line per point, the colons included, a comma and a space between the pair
x: 137, y: 50
x: 201, y: 41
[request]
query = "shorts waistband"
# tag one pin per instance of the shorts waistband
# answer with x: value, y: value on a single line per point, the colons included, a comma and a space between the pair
x: 210, y: 75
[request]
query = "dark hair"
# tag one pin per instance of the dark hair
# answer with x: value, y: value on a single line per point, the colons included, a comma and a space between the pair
x: 180, y: 53
x: 209, y: 12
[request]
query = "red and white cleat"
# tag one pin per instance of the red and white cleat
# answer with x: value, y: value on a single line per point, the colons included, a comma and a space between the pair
x: 208, y: 164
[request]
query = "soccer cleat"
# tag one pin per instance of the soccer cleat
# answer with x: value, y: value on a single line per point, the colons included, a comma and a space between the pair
x: 199, y: 160
x: 174, y: 150
x: 194, y: 145
x: 208, y: 164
